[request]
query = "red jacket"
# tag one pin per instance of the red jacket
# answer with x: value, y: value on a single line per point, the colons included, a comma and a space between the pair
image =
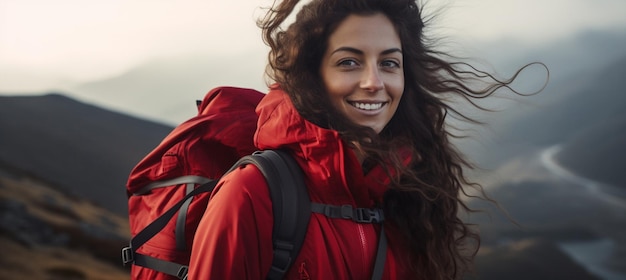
x: 234, y: 238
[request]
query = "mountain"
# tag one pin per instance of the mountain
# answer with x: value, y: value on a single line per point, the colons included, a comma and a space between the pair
x: 599, y: 99
x: 583, y: 90
x: 165, y: 90
x: 82, y: 149
x: 557, y: 175
x: 595, y: 140
x: 590, y: 122
x: 598, y: 152
x: 63, y: 170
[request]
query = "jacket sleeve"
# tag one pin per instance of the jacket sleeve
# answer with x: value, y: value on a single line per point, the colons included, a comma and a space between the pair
x: 234, y: 237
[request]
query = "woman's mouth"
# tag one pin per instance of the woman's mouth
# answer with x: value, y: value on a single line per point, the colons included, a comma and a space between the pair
x: 367, y: 106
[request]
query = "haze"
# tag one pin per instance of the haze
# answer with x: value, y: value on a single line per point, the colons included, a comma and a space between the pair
x: 61, y: 45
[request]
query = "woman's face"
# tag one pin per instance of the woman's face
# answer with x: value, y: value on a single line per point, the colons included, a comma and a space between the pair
x: 362, y: 70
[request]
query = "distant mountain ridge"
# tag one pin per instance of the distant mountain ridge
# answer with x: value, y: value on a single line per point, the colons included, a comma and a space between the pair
x: 85, y: 150
x: 589, y: 121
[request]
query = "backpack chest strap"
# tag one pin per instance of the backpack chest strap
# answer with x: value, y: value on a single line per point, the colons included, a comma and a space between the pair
x: 359, y: 215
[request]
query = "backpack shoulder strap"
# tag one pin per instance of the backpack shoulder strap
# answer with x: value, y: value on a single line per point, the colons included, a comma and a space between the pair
x: 291, y: 205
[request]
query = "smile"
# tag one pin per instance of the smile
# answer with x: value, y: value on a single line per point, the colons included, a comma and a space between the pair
x: 367, y: 106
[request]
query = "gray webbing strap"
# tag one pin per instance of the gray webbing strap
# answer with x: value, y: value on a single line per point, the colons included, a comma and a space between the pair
x: 129, y: 253
x: 167, y: 267
x: 359, y: 215
x: 181, y: 220
x: 193, y: 179
x: 381, y: 255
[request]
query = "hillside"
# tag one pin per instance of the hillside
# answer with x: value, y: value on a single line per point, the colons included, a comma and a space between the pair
x: 45, y: 234
x: 81, y: 149
x: 584, y: 113
x: 595, y: 147
x: 63, y: 169
x: 592, y: 103
x: 597, y: 152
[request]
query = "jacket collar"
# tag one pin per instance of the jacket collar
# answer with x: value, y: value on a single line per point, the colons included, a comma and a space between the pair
x: 328, y: 162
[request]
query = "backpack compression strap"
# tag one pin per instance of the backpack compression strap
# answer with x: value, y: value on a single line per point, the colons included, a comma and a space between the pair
x: 290, y: 204
x: 130, y: 255
x: 190, y: 181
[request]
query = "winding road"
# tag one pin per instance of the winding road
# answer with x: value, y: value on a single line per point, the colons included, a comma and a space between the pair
x: 608, y: 193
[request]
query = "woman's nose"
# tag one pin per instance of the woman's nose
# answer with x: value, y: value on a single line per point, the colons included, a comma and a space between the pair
x: 371, y: 80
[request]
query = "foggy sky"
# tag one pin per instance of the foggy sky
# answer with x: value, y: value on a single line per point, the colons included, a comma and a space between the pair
x: 152, y: 58
x: 74, y: 40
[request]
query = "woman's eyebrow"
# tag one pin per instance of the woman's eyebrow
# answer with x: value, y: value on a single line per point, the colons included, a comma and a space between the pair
x: 357, y: 51
x: 392, y: 50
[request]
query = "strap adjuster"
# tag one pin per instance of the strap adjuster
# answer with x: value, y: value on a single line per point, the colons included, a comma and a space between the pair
x: 346, y: 211
x: 182, y: 272
x: 367, y: 215
x: 127, y: 255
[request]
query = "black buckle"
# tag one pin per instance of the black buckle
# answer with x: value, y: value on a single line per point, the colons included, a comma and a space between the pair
x: 182, y: 272
x: 127, y: 255
x: 367, y: 215
x: 346, y: 212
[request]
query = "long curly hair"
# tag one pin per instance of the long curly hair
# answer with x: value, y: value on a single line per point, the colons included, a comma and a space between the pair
x: 424, y: 199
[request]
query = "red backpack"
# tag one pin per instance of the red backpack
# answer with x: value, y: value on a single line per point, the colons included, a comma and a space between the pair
x: 176, y: 179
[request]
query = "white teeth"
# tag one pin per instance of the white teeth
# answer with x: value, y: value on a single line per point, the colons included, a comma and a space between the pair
x: 367, y: 106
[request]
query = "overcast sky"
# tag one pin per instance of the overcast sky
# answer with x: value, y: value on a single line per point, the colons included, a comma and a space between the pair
x: 45, y: 43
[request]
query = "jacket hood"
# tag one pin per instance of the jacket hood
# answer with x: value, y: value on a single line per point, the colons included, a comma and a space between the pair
x: 281, y: 126
x: 329, y: 163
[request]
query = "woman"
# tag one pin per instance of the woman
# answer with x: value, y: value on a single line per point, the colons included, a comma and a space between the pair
x: 356, y: 102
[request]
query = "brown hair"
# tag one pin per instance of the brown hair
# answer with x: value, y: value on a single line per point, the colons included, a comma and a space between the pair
x: 424, y: 199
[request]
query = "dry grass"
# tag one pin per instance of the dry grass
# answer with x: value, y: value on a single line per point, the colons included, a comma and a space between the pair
x: 49, y: 263
x: 83, y: 256
x: 57, y: 208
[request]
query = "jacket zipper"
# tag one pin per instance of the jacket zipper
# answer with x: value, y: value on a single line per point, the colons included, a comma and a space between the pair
x: 364, y: 253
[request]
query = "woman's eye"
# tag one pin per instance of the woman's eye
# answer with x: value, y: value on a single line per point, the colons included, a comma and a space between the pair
x: 347, y: 63
x: 390, y: 64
